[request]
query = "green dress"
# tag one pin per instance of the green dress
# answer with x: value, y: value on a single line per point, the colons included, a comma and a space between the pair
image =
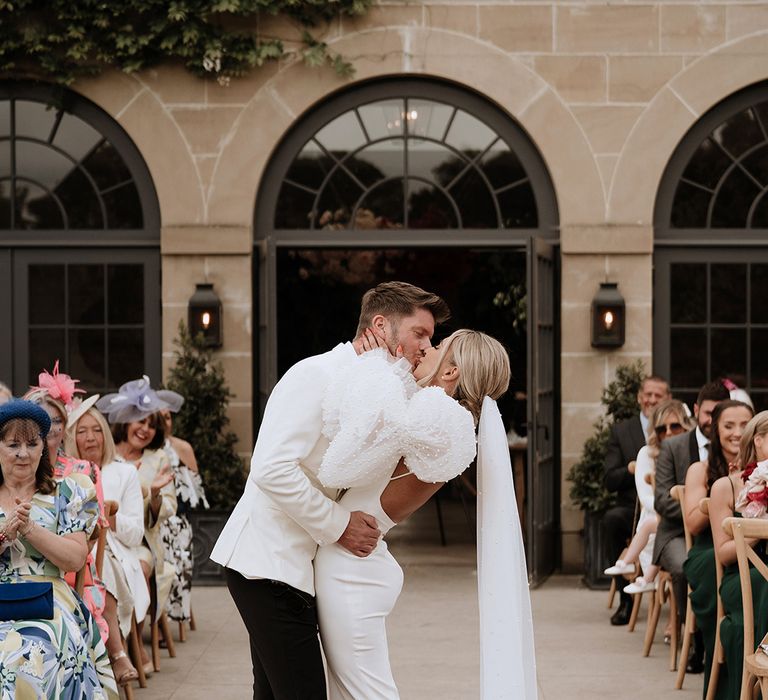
x: 701, y: 575
x: 732, y: 626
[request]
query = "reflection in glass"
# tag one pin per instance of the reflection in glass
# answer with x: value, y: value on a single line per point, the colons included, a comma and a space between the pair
x: 126, y: 354
x: 469, y: 134
x: 5, y: 158
x: 688, y: 361
x: 5, y: 204
x: 433, y: 161
x: 46, y: 345
x: 729, y: 353
x: 734, y: 201
x: 428, y: 207
x: 501, y: 166
x: 707, y: 165
x: 106, y: 167
x: 5, y: 118
x: 294, y: 208
x: 383, y: 119
x: 728, y: 293
x: 310, y: 167
x: 688, y: 292
x: 518, y: 206
x: 428, y: 119
x: 42, y: 164
x: 125, y: 291
x: 342, y: 134
x: 475, y: 202
x: 87, y: 356
x: 123, y: 206
x: 738, y: 133
x: 337, y: 201
x: 46, y: 294
x: 760, y: 212
x: 34, y: 119
x: 689, y: 208
x: 86, y: 294
x: 759, y: 357
x: 382, y: 207
x: 378, y: 161
x: 76, y: 137
x: 757, y: 164
x: 36, y: 207
x: 760, y: 400
x: 80, y: 201
x: 759, y: 293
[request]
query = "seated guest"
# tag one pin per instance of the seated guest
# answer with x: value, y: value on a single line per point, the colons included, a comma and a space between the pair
x: 138, y: 432
x: 627, y: 437
x: 5, y: 394
x: 667, y: 419
x: 725, y: 493
x: 729, y: 419
x: 676, y: 454
x: 44, y: 528
x: 88, y: 437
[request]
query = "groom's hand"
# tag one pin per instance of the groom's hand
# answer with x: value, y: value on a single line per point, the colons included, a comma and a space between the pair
x: 362, y: 534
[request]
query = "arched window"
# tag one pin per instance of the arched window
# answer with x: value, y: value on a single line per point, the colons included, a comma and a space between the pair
x: 711, y: 259
x: 410, y: 154
x: 79, y: 243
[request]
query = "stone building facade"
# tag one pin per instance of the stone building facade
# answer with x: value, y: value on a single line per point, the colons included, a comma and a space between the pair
x: 605, y: 91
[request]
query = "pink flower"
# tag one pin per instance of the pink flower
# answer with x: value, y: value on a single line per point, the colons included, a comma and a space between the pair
x: 58, y: 385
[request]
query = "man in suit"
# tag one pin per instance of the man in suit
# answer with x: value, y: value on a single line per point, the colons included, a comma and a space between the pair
x: 626, y: 440
x: 271, y: 538
x: 675, y: 456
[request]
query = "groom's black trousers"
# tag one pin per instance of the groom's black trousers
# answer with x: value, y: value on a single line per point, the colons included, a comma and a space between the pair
x: 285, y: 648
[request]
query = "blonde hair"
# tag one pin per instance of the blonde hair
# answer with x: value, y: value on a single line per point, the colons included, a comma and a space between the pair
x: 758, y: 425
x: 657, y: 418
x: 483, y: 366
x: 109, y: 453
x: 42, y: 397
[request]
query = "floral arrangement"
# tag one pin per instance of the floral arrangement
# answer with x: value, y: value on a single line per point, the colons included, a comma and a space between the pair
x: 753, y: 499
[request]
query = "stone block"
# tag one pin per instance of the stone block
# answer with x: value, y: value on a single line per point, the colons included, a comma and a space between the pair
x: 639, y: 78
x: 180, y: 274
x: 206, y: 129
x: 517, y: 27
x: 382, y: 16
x: 578, y: 424
x: 610, y: 28
x: 238, y: 370
x: 205, y: 167
x: 455, y: 18
x: 606, y: 164
x: 635, y: 276
x: 744, y: 19
x: 606, y: 238
x: 572, y: 560
x: 581, y: 276
x: 202, y: 240
x: 112, y: 90
x: 583, y: 377
x: 691, y: 28
x: 575, y: 328
x: 242, y: 89
x: 241, y: 423
x: 607, y: 126
x: 575, y: 78
x: 616, y: 359
x: 173, y: 83
x: 231, y: 276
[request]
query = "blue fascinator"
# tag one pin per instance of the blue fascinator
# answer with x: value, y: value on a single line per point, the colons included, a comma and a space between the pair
x: 25, y: 410
x: 135, y: 400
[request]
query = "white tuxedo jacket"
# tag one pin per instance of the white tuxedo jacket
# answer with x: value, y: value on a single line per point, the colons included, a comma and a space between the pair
x: 284, y: 512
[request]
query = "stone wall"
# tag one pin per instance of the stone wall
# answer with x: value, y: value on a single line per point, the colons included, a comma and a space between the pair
x: 606, y: 90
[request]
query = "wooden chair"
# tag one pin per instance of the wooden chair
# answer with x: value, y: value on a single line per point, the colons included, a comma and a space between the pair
x: 159, y: 625
x: 182, y: 627
x: 755, y: 669
x: 637, y: 598
x: 718, y: 657
x: 629, y: 577
x: 678, y: 493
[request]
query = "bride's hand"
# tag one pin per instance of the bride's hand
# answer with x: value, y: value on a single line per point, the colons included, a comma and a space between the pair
x: 371, y: 340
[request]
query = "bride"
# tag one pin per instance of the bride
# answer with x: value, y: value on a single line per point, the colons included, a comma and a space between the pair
x: 393, y: 445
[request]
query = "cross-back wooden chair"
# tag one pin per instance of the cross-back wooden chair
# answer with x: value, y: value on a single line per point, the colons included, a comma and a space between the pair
x: 755, y: 669
x: 678, y: 493
x: 718, y: 656
x: 665, y: 593
x: 637, y: 598
x: 629, y: 577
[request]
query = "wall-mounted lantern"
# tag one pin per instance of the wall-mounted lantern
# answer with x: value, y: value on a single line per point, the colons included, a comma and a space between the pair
x: 608, y: 317
x: 204, y: 315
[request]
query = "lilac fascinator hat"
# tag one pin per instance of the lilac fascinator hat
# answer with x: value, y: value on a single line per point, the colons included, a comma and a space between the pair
x: 135, y: 400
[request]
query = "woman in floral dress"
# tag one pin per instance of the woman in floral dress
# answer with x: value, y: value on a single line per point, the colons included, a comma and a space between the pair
x: 45, y: 525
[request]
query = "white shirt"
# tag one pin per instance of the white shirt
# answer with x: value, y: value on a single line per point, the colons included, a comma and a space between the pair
x: 703, y: 442
x: 644, y: 422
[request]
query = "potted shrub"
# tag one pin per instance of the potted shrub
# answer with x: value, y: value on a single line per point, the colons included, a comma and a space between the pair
x: 586, y: 476
x: 203, y: 422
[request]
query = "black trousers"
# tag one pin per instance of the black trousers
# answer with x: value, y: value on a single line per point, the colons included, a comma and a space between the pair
x: 285, y: 648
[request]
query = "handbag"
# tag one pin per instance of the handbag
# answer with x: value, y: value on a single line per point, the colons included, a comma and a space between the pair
x: 32, y: 600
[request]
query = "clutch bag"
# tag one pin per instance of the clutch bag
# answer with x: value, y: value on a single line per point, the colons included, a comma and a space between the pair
x: 32, y: 600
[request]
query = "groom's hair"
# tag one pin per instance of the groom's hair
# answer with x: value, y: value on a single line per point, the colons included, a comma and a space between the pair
x: 396, y: 300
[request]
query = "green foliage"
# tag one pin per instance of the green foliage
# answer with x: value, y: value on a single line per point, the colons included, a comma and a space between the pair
x: 203, y: 421
x: 620, y: 401
x: 61, y: 40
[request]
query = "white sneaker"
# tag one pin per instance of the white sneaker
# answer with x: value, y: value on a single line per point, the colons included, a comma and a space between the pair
x: 620, y: 568
x: 640, y: 585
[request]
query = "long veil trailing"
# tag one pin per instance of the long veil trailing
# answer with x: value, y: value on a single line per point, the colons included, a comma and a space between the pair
x: 507, y: 656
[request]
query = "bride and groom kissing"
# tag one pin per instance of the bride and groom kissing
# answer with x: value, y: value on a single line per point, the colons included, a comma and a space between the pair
x: 351, y: 442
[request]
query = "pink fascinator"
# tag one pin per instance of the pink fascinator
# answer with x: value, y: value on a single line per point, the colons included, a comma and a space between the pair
x: 58, y: 385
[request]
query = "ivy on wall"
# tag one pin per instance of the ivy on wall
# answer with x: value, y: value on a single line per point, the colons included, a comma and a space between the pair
x: 62, y: 40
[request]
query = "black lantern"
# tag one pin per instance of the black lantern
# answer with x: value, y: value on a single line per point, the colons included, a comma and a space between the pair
x: 608, y: 316
x: 205, y: 315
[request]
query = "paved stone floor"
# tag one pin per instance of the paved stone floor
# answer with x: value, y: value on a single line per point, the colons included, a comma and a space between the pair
x: 433, y: 635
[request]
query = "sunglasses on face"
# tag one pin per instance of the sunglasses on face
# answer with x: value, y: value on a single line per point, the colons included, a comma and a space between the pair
x: 662, y: 430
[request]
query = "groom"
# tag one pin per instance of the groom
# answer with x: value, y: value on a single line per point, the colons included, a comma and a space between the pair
x: 270, y: 540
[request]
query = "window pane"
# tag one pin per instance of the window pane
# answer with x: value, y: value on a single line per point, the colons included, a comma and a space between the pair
x: 688, y: 357
x: 34, y: 119
x: 36, y: 208
x: 689, y: 208
x: 475, y: 202
x: 87, y: 360
x: 5, y: 158
x: 428, y: 119
x: 80, y: 201
x: 5, y: 204
x: 729, y: 353
x: 739, y: 133
x: 294, y: 207
x: 46, y: 294
x: 707, y: 165
x: 759, y: 283
x: 759, y: 357
x: 428, y: 207
x: 86, y: 294
x: 734, y: 200
x: 377, y: 162
x: 382, y: 207
x: 688, y: 293
x: 501, y: 166
x: 432, y: 161
x: 760, y: 214
x: 728, y: 293
x: 45, y: 347
x: 75, y: 137
x: 342, y: 134
x: 126, y: 355
x: 518, y: 207
x: 106, y: 166
x: 310, y: 167
x: 338, y: 199
x: 41, y: 164
x: 123, y: 207
x: 760, y: 400
x: 125, y: 294
x: 468, y: 134
x: 5, y: 118
x: 383, y: 119
x: 757, y: 164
